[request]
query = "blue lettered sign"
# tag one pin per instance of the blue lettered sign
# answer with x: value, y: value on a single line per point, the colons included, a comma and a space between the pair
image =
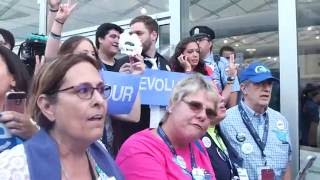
x: 123, y: 93
x: 156, y: 86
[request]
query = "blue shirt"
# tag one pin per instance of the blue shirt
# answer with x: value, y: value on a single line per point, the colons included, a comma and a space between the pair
x: 7, y: 140
x: 220, y: 74
x: 277, y: 148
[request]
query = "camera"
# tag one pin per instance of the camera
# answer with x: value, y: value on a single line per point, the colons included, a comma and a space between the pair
x: 34, y: 45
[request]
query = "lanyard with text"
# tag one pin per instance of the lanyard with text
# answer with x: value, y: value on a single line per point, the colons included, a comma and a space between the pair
x: 261, y: 143
x: 165, y: 138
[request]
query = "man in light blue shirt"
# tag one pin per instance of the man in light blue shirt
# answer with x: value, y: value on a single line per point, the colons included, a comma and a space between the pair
x: 258, y: 133
x: 225, y: 75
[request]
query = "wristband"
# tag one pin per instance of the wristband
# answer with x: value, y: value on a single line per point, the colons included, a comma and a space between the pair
x: 59, y: 21
x: 230, y: 82
x: 55, y: 36
x: 53, y: 10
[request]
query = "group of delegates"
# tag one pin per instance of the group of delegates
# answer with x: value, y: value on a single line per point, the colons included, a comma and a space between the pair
x: 66, y: 132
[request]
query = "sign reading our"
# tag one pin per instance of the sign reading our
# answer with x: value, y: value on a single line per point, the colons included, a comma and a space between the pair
x: 124, y: 89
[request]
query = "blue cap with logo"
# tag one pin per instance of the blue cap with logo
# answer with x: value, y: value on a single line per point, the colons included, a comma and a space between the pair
x: 256, y: 73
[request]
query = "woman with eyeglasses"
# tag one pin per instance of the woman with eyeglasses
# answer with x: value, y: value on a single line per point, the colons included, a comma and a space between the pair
x: 71, y: 110
x: 83, y: 45
x: 224, y: 159
x: 173, y: 150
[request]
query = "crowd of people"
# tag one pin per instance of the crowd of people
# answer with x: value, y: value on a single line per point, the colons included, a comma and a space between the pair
x: 215, y: 126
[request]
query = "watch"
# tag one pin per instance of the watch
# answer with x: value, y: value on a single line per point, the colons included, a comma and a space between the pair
x: 230, y: 78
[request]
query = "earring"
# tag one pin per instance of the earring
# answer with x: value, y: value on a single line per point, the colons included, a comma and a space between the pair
x: 11, y: 88
x: 168, y: 110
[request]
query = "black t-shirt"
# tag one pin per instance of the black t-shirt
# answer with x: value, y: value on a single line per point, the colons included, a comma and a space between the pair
x: 112, y: 68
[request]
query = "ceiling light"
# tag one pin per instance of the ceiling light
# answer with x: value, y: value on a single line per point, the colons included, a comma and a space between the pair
x: 237, y: 45
x: 251, y: 50
x: 143, y: 11
x: 225, y: 41
x: 269, y: 57
x: 317, y: 37
x: 309, y: 28
x: 275, y: 59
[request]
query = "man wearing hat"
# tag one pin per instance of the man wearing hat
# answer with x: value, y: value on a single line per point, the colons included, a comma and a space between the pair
x: 225, y: 73
x: 258, y: 133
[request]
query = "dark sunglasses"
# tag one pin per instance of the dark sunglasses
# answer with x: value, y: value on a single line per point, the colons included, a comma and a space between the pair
x: 197, y: 107
x: 85, y: 90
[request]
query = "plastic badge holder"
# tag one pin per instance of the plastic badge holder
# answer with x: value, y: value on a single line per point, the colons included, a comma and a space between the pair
x: 130, y: 44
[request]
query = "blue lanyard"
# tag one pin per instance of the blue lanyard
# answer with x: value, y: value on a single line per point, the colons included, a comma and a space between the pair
x: 166, y: 140
x: 246, y: 120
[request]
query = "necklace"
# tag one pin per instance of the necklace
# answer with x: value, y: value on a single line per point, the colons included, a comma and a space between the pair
x: 64, y: 173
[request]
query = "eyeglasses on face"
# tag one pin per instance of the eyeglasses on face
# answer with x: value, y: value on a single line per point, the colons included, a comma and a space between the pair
x: 85, y: 90
x: 197, y: 107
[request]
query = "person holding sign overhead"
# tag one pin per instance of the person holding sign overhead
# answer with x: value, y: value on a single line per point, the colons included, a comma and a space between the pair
x: 147, y: 30
x: 173, y: 150
x: 258, y: 133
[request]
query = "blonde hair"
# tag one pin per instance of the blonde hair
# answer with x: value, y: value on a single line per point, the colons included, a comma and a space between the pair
x: 191, y: 85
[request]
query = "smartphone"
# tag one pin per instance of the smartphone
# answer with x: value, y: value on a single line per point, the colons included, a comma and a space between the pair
x: 15, y: 101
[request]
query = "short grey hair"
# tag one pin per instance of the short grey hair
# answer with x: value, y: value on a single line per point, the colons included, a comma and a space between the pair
x: 191, y: 85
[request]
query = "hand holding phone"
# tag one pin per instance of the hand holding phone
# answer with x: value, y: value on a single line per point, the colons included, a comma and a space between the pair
x: 15, y: 101
x: 183, y: 60
x: 14, y: 108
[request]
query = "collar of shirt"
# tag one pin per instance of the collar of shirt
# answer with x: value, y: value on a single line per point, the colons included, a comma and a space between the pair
x: 251, y: 113
x: 213, y: 132
x: 209, y: 59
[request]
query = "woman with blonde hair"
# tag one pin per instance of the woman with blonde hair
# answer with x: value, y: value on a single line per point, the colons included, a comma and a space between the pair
x: 173, y: 150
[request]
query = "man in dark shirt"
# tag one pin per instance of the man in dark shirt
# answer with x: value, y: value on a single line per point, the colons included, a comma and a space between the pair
x: 147, y: 30
x: 107, y: 42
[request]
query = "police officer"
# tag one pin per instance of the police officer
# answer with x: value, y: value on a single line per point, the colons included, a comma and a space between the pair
x: 225, y: 73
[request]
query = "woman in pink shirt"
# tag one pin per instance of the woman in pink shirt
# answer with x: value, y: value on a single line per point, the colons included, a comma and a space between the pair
x: 173, y: 150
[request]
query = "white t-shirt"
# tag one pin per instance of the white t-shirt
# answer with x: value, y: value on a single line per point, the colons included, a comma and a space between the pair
x: 13, y: 164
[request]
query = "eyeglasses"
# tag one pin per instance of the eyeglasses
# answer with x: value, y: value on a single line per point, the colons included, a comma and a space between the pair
x: 203, y: 39
x: 85, y: 90
x: 197, y: 107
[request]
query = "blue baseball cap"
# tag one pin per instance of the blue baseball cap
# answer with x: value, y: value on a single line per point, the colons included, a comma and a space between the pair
x: 256, y: 73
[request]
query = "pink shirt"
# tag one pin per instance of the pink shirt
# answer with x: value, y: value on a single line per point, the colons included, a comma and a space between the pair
x: 146, y: 156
